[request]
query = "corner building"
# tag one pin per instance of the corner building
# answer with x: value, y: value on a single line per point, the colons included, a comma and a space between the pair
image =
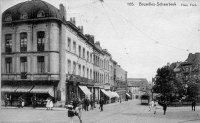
x: 44, y: 54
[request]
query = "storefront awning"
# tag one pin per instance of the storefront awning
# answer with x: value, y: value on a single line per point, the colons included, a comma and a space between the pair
x: 128, y: 95
x: 24, y: 89
x: 9, y: 88
x: 115, y: 94
x: 43, y: 89
x: 85, y: 90
x: 107, y: 93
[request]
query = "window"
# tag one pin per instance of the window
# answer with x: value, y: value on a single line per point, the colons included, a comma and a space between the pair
x: 69, y: 44
x: 74, y: 68
x: 83, y: 52
x: 79, y: 51
x: 8, y: 43
x: 23, y: 41
x: 24, y: 15
x: 90, y: 57
x: 40, y: 40
x: 83, y: 71
x: 88, y: 73
x: 8, y: 17
x: 69, y: 66
x: 79, y: 70
x: 40, y: 64
x: 87, y: 55
x: 40, y: 14
x: 23, y: 64
x: 74, y: 46
x: 8, y: 65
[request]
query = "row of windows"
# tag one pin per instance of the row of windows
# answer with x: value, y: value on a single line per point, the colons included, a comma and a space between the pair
x: 81, y: 51
x: 86, y: 72
x: 23, y: 64
x: 24, y: 15
x: 101, y: 63
x: 101, y: 78
x: 23, y: 41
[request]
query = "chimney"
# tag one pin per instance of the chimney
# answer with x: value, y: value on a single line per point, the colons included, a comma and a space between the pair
x: 80, y: 28
x: 90, y: 38
x: 62, y: 11
x: 74, y: 21
x: 97, y: 43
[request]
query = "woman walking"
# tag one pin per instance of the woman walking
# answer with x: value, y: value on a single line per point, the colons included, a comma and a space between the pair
x: 51, y: 104
x: 48, y: 104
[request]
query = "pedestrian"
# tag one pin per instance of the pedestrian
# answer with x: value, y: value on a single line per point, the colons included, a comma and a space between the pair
x: 33, y: 100
x: 152, y: 106
x: 51, y: 104
x: 6, y: 100
x: 87, y: 103
x: 164, y: 107
x: 71, y: 113
x: 193, y: 104
x: 48, y: 104
x: 91, y: 104
x: 77, y: 106
x: 101, y: 102
x: 20, y: 102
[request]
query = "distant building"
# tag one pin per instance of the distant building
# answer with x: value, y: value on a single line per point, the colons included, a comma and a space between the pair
x: 137, y: 86
x: 189, y: 70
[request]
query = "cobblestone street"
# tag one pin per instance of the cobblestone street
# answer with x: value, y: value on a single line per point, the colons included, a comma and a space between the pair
x: 126, y: 112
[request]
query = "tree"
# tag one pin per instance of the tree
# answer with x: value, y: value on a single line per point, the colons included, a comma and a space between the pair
x: 165, y: 82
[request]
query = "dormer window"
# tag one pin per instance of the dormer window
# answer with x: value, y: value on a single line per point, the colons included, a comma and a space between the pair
x: 40, y: 14
x: 24, y: 15
x: 8, y: 17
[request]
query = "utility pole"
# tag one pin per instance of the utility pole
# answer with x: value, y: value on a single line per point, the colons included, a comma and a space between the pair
x: 0, y: 51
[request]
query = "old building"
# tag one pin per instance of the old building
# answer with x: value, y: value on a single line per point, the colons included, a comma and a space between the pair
x: 137, y: 86
x: 44, y: 54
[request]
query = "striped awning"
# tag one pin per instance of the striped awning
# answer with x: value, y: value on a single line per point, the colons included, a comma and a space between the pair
x: 85, y: 90
x: 43, y: 89
x: 24, y: 89
x: 107, y: 93
x: 128, y: 95
x: 8, y: 88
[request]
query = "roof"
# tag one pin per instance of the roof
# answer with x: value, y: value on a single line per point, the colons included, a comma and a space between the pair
x: 31, y: 9
x: 193, y: 58
x: 137, y: 82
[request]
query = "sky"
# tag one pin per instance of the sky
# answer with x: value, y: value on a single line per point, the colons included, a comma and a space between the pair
x: 140, y: 38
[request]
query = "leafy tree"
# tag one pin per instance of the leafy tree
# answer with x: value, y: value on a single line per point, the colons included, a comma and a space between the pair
x: 165, y: 82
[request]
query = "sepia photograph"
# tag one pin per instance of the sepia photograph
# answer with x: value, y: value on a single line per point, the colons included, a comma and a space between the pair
x: 100, y: 61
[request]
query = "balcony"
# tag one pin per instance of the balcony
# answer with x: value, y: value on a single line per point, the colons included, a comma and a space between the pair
x: 30, y: 77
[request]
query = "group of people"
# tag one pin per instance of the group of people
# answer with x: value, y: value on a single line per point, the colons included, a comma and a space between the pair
x: 76, y: 106
x: 153, y: 106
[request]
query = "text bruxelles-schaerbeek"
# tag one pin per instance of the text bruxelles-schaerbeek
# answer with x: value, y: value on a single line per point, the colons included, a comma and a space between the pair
x: 157, y: 4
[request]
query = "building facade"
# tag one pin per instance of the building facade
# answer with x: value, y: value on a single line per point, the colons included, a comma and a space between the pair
x: 137, y: 87
x: 44, y: 55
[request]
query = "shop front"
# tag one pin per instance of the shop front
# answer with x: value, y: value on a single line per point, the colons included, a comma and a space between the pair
x: 40, y: 92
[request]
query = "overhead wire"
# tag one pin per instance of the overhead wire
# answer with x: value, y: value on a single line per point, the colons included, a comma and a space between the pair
x: 142, y: 32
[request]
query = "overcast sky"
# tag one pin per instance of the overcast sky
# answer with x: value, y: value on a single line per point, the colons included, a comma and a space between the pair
x: 140, y: 38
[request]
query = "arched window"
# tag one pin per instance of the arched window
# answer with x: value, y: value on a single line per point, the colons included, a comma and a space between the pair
x: 41, y: 13
x: 8, y: 17
x: 24, y: 15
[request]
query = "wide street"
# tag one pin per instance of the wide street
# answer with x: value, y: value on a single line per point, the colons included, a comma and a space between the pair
x: 125, y: 112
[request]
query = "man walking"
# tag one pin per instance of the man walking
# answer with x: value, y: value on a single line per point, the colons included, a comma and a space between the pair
x: 193, y: 104
x: 164, y: 107
x: 101, y: 102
